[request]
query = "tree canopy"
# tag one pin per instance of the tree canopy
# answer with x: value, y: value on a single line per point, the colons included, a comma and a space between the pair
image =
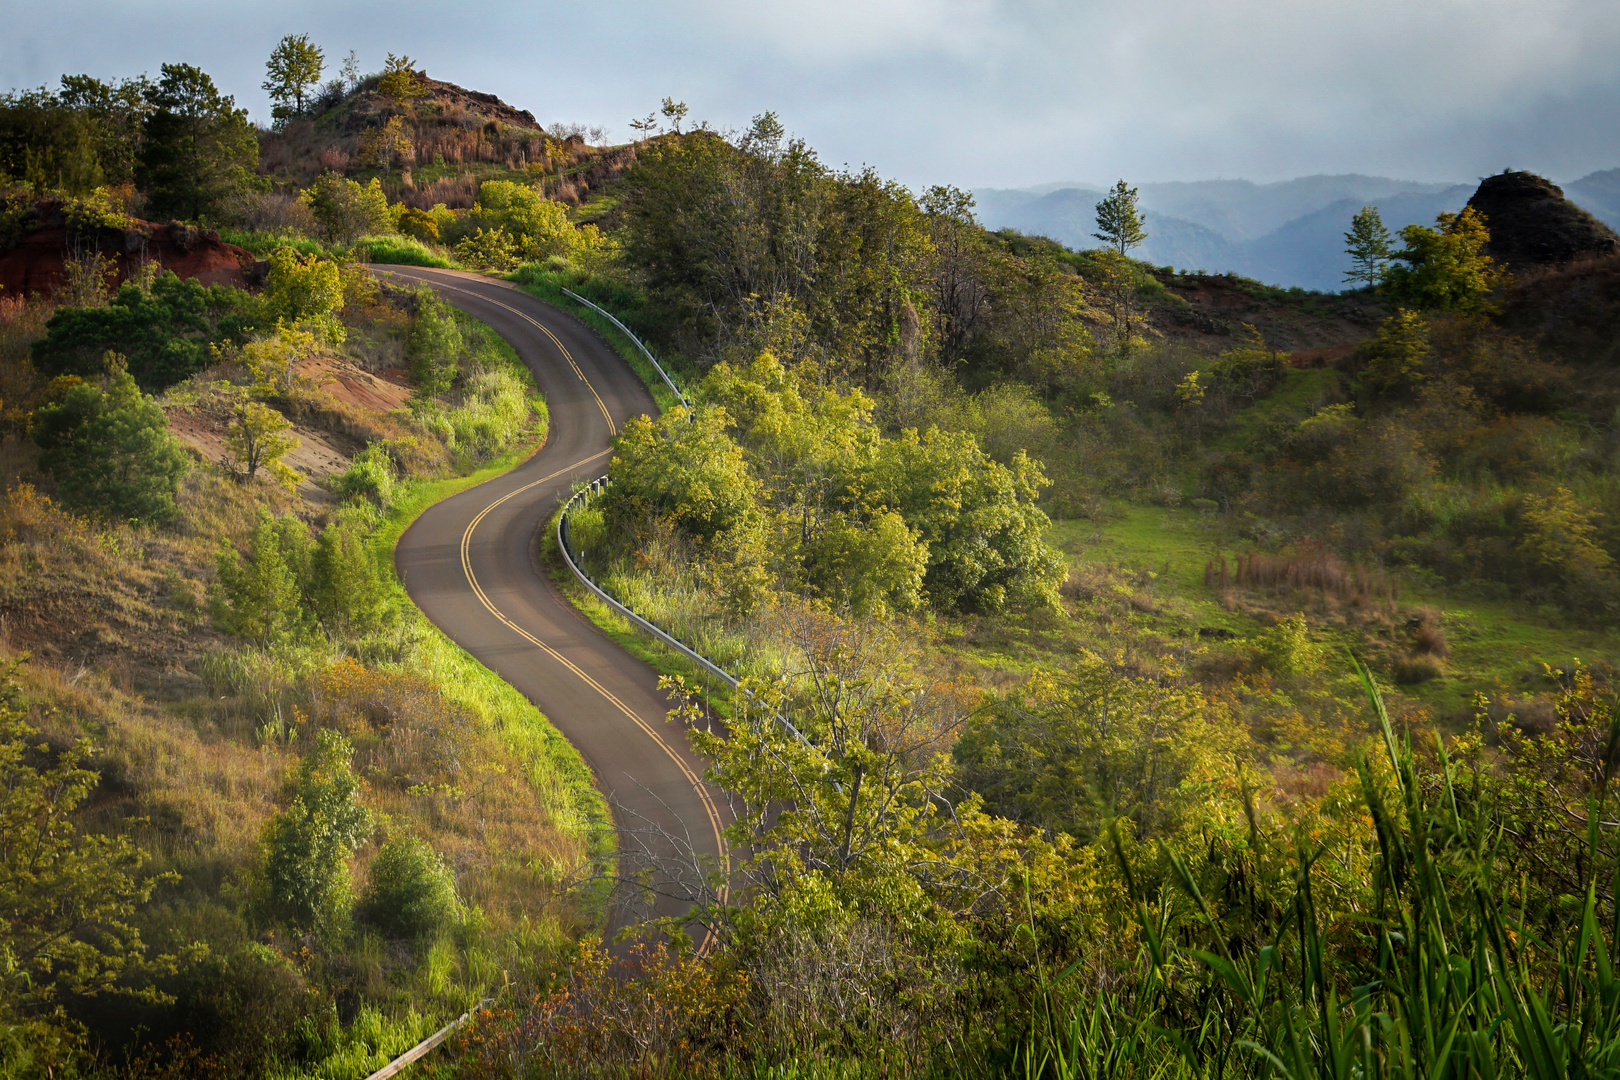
x: 199, y: 148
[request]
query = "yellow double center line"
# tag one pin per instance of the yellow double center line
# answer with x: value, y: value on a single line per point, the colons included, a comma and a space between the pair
x: 652, y: 733
x: 613, y: 428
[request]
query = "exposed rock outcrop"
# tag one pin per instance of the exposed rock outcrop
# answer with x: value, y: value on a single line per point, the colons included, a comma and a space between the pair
x: 33, y: 259
x: 1532, y: 224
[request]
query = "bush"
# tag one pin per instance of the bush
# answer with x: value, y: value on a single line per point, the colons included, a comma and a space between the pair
x: 370, y: 475
x: 489, y: 249
x: 346, y: 211
x: 307, y: 289
x: 111, y: 452
x: 411, y: 894
x: 166, y: 334
x: 307, y: 845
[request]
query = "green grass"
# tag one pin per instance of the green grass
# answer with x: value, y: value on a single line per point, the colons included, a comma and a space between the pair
x: 393, y: 250
x: 1494, y: 645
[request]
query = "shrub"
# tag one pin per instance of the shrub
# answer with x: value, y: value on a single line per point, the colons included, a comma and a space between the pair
x: 370, y: 475
x: 307, y: 845
x: 1411, y: 670
x: 166, y: 333
x: 411, y: 893
x: 489, y: 249
x: 307, y: 289
x: 1286, y: 649
x: 111, y: 452
x: 435, y: 346
x: 346, y: 210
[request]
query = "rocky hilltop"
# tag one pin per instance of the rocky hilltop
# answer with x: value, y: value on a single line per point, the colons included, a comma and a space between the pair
x: 1532, y: 224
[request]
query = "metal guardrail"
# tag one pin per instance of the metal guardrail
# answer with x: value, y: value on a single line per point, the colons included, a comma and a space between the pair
x: 595, y: 487
x: 608, y: 315
x: 415, y: 1053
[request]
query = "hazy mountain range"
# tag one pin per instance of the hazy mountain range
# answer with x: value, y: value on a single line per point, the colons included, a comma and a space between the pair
x: 1287, y: 233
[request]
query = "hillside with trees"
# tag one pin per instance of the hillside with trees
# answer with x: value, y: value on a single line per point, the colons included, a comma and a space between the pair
x: 1182, y: 675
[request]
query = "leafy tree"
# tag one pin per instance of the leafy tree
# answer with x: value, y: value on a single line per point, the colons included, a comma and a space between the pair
x: 1447, y: 268
x: 400, y: 82
x: 1369, y: 246
x: 1397, y: 357
x: 65, y: 896
x: 961, y: 296
x: 1559, y: 538
x: 199, y: 148
x: 346, y: 593
x: 306, y: 289
x: 410, y: 893
x: 435, y: 346
x: 1070, y: 752
x: 81, y: 137
x: 256, y: 438
x: 1119, y: 225
x: 258, y: 598
x: 308, y: 844
x: 540, y: 225
x: 381, y: 146
x: 294, y: 67
x: 683, y: 468
x: 977, y: 517
x: 110, y: 450
x: 674, y: 111
x: 346, y: 209
x: 165, y: 333
x: 489, y: 249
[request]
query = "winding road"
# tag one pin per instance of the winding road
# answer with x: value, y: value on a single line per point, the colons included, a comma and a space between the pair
x: 472, y: 564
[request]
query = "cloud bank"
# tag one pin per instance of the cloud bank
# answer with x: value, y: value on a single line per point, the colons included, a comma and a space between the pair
x: 971, y: 92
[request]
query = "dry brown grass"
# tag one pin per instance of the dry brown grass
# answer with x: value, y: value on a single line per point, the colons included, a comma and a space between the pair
x: 1311, y: 567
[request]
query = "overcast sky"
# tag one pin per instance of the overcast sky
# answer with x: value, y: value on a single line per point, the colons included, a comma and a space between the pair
x: 976, y: 93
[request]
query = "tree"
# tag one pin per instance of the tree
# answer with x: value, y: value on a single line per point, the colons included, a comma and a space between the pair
x: 435, y: 346
x: 400, y: 82
x: 645, y: 125
x: 65, y: 896
x: 674, y: 111
x: 1447, y: 268
x: 199, y: 148
x: 381, y: 146
x: 346, y: 592
x: 961, y: 296
x: 1560, y: 538
x: 350, y: 71
x: 306, y: 289
x: 258, y: 598
x: 977, y: 517
x: 346, y: 209
x: 1119, y: 225
x: 1369, y: 247
x: 307, y: 845
x: 294, y: 67
x: 1397, y: 356
x: 256, y: 438
x: 681, y: 467
x: 110, y: 450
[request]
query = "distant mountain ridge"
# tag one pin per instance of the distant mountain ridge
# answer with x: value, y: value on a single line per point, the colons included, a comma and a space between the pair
x: 1285, y: 233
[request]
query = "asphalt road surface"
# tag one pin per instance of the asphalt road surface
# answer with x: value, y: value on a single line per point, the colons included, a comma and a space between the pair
x: 471, y: 563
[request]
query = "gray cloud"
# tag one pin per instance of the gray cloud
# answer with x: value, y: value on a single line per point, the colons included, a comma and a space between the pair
x: 972, y: 92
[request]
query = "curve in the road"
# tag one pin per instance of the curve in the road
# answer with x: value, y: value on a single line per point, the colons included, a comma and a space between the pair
x: 472, y: 564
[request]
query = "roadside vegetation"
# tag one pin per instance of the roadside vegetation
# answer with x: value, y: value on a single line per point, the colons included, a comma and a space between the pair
x: 1186, y: 677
